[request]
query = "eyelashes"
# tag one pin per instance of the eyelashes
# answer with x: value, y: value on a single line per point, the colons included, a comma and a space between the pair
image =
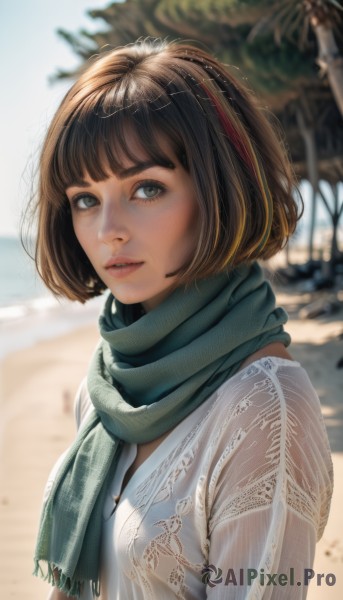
x: 148, y: 190
x: 88, y: 200
x: 144, y: 191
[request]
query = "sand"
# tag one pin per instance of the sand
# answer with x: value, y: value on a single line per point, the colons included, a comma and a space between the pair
x: 36, y: 424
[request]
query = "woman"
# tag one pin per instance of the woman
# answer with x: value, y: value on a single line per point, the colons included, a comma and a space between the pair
x: 201, y: 462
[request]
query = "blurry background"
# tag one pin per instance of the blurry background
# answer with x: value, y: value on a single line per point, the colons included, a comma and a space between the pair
x: 290, y: 53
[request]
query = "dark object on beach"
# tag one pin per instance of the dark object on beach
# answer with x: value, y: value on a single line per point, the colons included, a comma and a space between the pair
x: 324, y: 306
x: 317, y: 275
x: 299, y: 272
x: 320, y: 283
x: 340, y: 364
x: 67, y: 401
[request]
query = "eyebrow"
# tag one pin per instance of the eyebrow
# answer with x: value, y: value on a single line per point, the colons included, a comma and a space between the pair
x: 139, y: 167
x: 130, y: 172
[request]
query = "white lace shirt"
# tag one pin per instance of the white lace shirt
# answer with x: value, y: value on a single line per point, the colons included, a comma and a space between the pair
x: 240, y: 489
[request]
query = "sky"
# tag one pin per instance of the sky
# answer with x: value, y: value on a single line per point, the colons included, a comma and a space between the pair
x: 30, y: 52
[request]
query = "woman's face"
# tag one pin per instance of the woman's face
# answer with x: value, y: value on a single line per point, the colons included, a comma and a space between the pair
x: 136, y: 227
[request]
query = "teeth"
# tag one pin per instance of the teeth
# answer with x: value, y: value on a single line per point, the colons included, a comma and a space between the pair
x: 122, y: 264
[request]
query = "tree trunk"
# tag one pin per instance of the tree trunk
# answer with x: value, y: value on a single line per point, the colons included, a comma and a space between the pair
x: 336, y: 214
x: 330, y: 60
x: 307, y: 133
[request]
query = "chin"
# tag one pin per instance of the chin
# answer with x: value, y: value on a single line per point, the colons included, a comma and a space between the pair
x: 124, y: 299
x: 149, y: 298
x: 127, y: 297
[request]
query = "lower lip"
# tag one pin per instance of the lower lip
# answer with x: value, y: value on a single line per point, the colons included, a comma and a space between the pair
x: 120, y: 272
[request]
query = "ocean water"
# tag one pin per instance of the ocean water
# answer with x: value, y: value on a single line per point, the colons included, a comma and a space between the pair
x: 19, y: 282
x: 28, y: 311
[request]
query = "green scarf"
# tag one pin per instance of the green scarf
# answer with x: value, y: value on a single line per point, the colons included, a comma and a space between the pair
x: 148, y: 373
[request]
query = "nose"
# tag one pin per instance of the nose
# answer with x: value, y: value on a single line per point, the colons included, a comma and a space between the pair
x: 113, y: 225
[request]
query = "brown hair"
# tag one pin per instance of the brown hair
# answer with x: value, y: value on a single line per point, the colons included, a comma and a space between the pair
x: 242, y: 177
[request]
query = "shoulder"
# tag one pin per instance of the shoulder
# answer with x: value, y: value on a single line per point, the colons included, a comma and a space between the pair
x: 273, y: 397
x: 270, y: 381
x: 267, y: 427
x: 269, y: 416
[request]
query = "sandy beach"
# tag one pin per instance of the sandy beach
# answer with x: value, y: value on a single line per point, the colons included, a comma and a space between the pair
x: 38, y: 385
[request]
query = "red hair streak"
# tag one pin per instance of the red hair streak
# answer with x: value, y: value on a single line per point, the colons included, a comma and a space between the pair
x: 230, y: 131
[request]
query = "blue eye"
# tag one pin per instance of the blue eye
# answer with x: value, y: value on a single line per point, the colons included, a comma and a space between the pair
x: 148, y: 191
x: 84, y: 202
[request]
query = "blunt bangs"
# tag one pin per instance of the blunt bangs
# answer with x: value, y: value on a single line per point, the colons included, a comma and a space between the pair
x: 102, y: 137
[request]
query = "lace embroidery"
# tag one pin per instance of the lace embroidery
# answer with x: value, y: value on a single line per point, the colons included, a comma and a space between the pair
x: 237, y: 438
x: 144, y: 491
x: 254, y: 497
x: 168, y: 543
x: 181, y: 469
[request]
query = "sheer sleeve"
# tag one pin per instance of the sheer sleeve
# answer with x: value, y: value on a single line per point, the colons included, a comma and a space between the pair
x: 270, y: 487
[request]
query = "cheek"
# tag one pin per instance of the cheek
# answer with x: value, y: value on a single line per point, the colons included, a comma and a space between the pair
x: 179, y: 230
x: 179, y: 237
x: 82, y: 233
x: 191, y: 227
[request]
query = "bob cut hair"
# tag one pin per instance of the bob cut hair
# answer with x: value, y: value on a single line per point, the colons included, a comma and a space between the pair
x: 177, y: 96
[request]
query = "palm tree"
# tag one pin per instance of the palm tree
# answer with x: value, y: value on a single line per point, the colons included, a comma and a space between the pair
x: 292, y: 18
x: 323, y: 17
